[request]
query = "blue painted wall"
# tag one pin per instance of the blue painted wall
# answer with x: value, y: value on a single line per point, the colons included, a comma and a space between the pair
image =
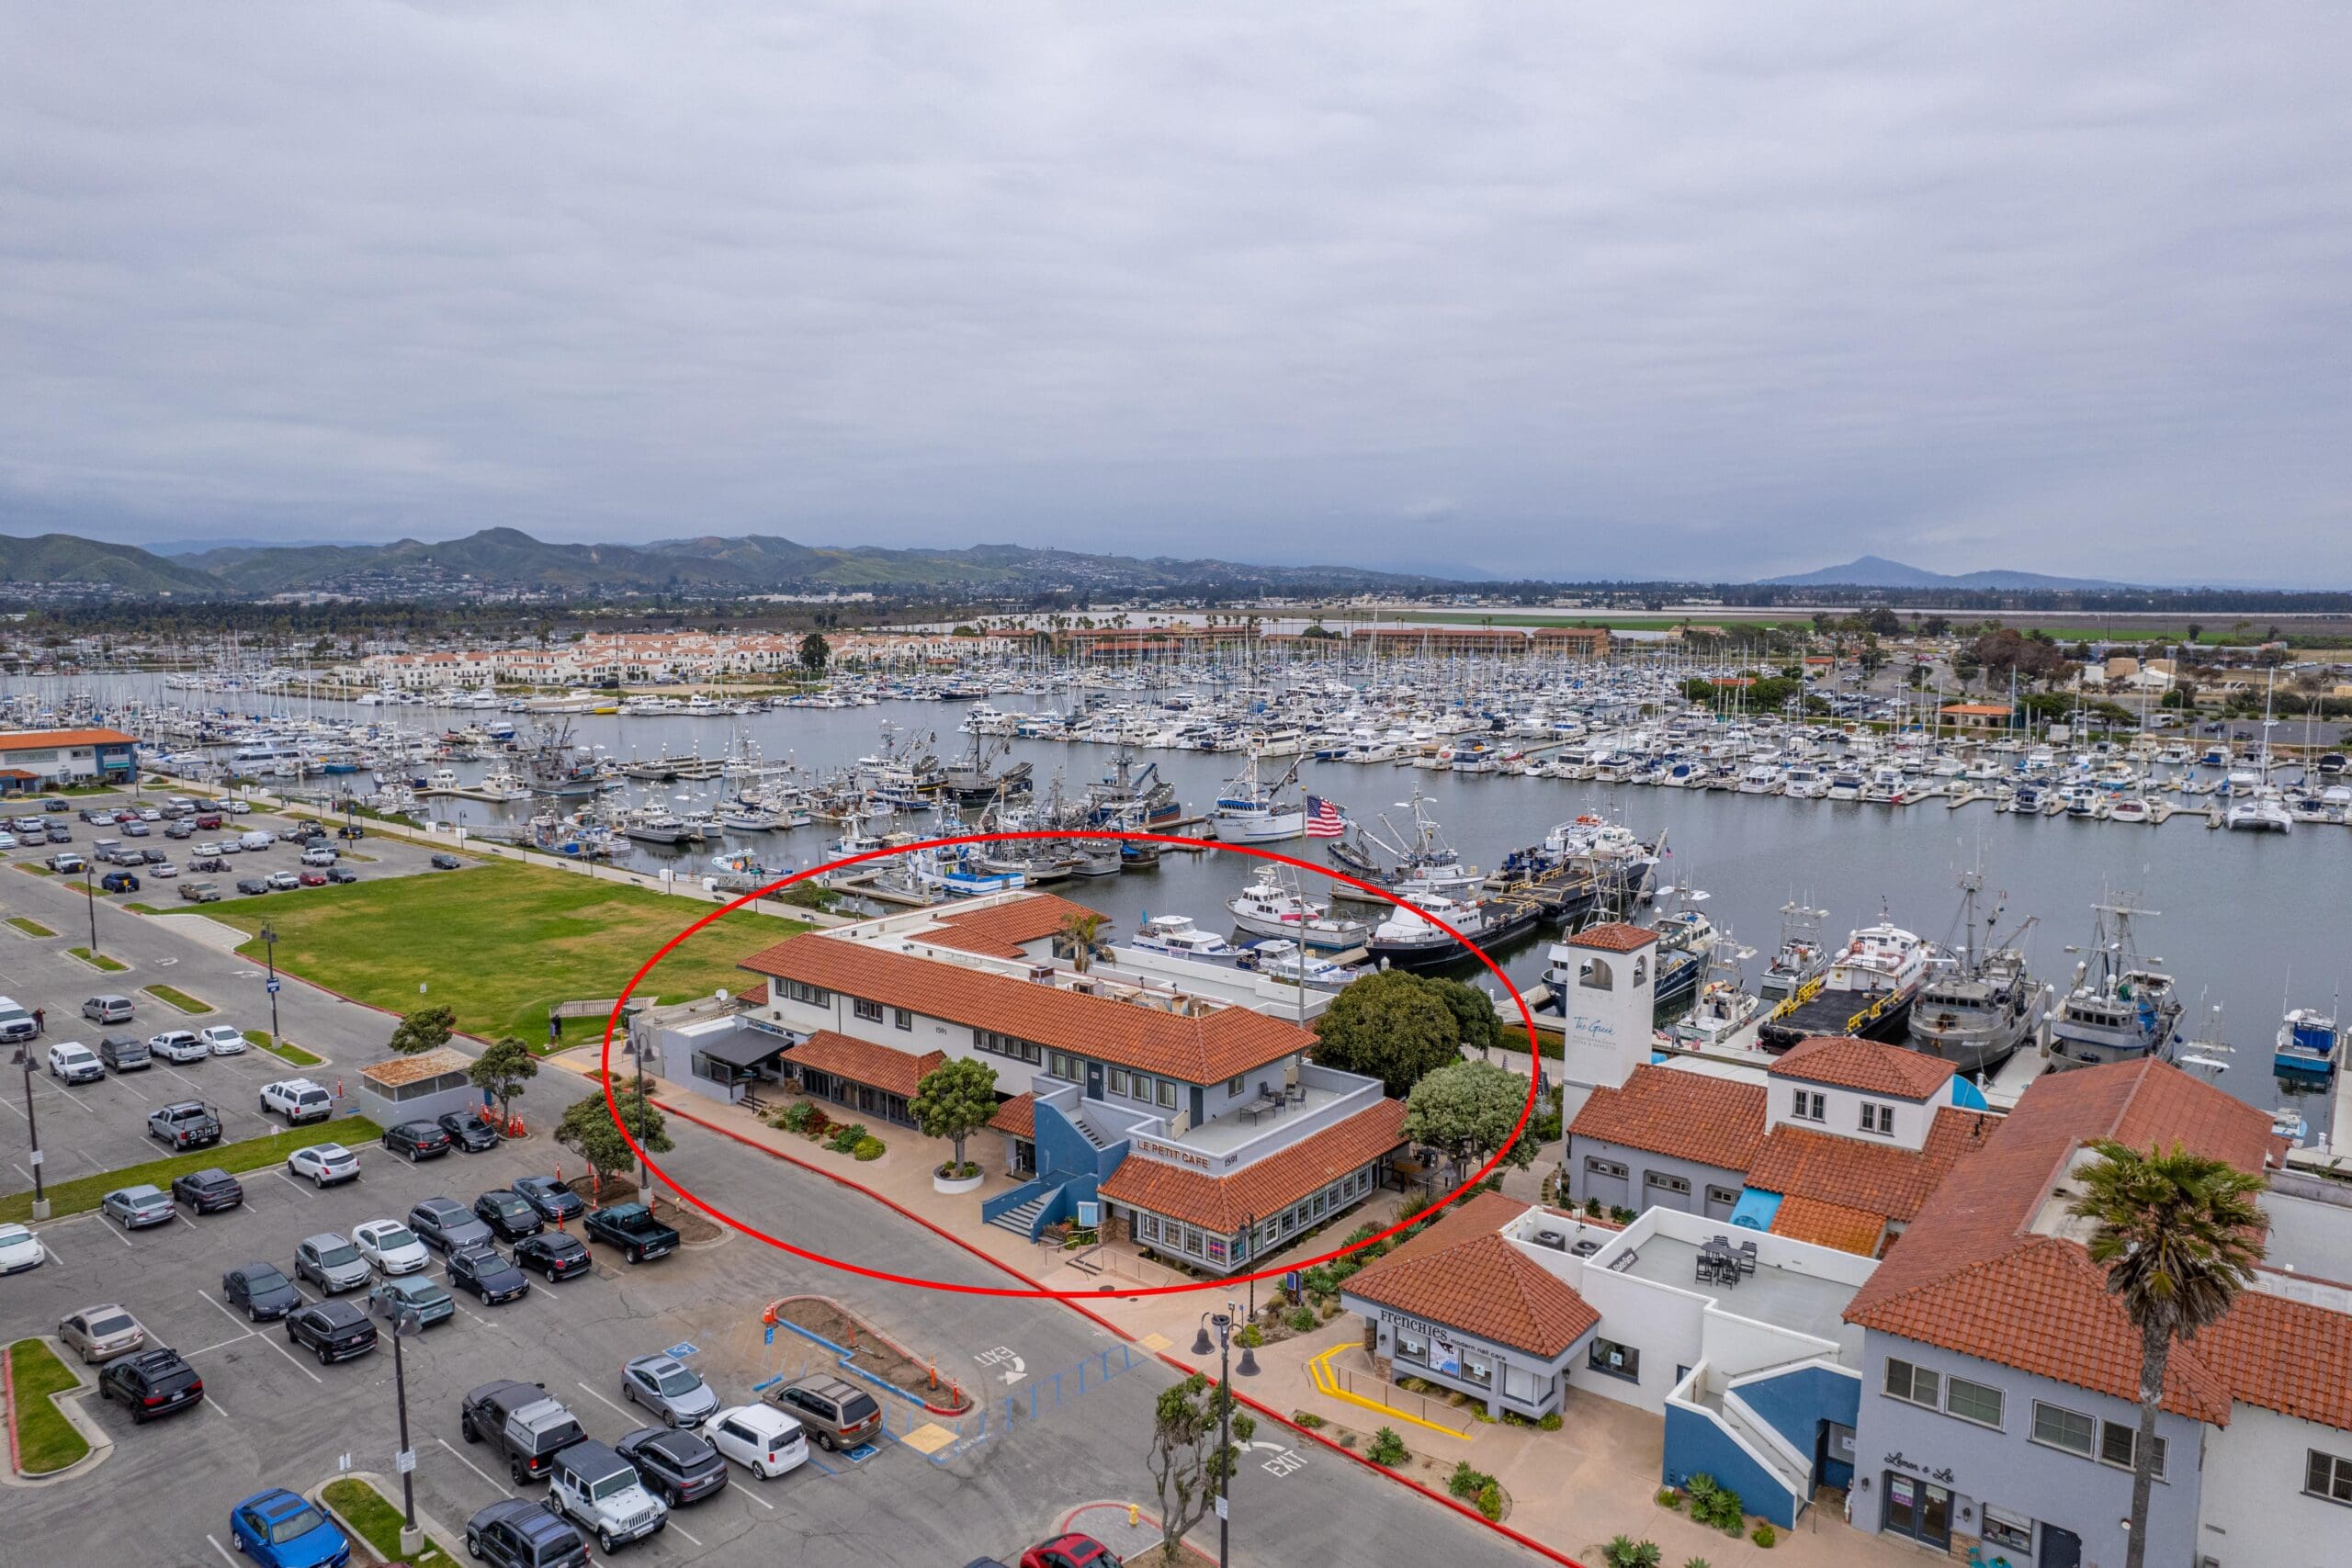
x: 1797, y: 1402
x: 1695, y: 1445
x: 1064, y: 1152
x: 1004, y: 1202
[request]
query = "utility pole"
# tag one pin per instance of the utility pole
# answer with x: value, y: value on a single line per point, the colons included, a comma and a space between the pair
x: 32, y: 1133
x: 269, y: 947
x: 90, y: 895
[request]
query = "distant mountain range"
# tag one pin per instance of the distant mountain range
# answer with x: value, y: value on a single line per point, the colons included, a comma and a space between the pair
x: 1877, y: 571
x: 507, y: 561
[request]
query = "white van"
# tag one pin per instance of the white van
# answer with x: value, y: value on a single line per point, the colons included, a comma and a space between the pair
x: 255, y: 840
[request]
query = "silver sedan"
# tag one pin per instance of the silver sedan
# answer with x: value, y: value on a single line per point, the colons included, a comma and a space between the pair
x: 138, y: 1207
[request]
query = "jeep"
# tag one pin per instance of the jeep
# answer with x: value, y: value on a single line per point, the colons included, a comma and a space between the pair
x: 595, y: 1488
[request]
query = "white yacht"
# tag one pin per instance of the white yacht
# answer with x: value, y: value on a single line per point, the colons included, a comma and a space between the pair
x: 1267, y: 907
x: 1176, y: 936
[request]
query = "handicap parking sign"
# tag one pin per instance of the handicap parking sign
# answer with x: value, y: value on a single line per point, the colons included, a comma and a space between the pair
x: 683, y: 1348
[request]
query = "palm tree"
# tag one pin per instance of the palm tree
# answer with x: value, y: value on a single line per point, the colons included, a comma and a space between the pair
x: 2180, y: 1234
x: 1082, y: 929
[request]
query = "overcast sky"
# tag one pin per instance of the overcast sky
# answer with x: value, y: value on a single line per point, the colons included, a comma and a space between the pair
x: 1566, y: 289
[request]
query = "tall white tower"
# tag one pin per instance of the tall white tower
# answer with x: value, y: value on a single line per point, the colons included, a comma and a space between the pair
x: 1611, y: 1004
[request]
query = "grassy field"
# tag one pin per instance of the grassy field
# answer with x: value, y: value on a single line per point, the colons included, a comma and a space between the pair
x: 179, y: 998
x: 498, y: 944
x: 30, y: 928
x: 282, y: 1051
x: 85, y: 1192
x: 378, y: 1521
x: 46, y: 1439
x: 98, y: 960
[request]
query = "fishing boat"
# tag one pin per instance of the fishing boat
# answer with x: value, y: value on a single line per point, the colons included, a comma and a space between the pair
x: 1866, y: 989
x: 1978, y: 1005
x: 2306, y: 1047
x: 1414, y: 865
x: 2120, y: 1007
x: 1133, y: 800
x: 1176, y: 936
x: 1268, y: 907
x: 1250, y: 812
x: 1722, y: 1008
x: 1410, y: 939
x: 1685, y: 938
x: 653, y: 825
x: 1802, y: 954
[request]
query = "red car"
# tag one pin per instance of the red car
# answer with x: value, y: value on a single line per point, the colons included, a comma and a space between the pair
x: 1069, y: 1551
x: 314, y: 878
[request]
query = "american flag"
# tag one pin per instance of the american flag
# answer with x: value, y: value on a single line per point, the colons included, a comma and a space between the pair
x: 1323, y: 819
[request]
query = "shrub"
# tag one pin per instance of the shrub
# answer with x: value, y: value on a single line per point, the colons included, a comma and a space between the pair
x: 1716, y: 1506
x: 1309, y: 1419
x: 1764, y: 1535
x: 1622, y: 1214
x: 1624, y: 1551
x: 796, y: 1116
x: 847, y: 1138
x: 1490, y: 1501
x: 1696, y: 1562
x: 1387, y: 1448
x: 868, y: 1148
x: 1592, y: 1207
x: 1301, y: 1321
x: 1667, y: 1497
x: 1250, y: 1338
x: 1467, y: 1483
x: 951, y: 1171
x: 1550, y: 1421
x: 1413, y: 1384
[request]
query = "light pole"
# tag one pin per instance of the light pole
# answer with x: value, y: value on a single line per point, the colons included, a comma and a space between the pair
x: 32, y: 1132
x: 402, y: 1320
x: 269, y: 949
x: 90, y: 897
x: 1223, y: 1322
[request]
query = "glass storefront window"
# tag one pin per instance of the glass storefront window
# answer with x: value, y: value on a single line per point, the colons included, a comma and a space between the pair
x: 1412, y: 1346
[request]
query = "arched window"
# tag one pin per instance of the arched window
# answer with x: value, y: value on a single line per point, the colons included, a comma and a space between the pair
x: 1641, y: 971
x: 1596, y: 976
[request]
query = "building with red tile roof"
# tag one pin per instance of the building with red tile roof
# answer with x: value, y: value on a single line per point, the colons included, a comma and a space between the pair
x: 32, y: 759
x: 1464, y: 1273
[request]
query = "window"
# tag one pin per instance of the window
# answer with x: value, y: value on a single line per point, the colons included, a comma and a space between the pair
x: 870, y: 1011
x: 1810, y: 1106
x: 1216, y: 1249
x: 1613, y: 1359
x: 2058, y: 1428
x: 1147, y: 1227
x: 1411, y: 1345
x: 1728, y: 1197
x: 1915, y: 1385
x: 2004, y: 1528
x: 1168, y: 1093
x: 1142, y: 1089
x: 1973, y: 1402
x: 1063, y: 1065
x: 2328, y: 1476
x: 801, y: 991
x: 1192, y: 1241
x: 2119, y: 1441
x: 1118, y: 1080
x: 1235, y: 1084
x: 1663, y: 1183
x: 1598, y: 1166
x: 1596, y: 976
x: 1877, y: 1118
x: 902, y: 1017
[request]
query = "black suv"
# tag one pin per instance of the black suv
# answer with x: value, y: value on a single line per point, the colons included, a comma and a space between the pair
x: 209, y: 1192
x: 554, y: 1200
x: 485, y: 1271
x: 336, y: 1330
x: 633, y: 1229
x: 517, y: 1533
x: 504, y: 1212
x: 678, y: 1466
x: 151, y: 1382
x: 559, y: 1255
x: 418, y: 1139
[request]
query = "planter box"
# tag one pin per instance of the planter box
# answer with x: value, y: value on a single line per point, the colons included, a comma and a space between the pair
x: 950, y: 1184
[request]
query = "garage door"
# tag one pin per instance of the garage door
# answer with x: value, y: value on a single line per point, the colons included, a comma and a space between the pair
x: 1721, y: 1201
x: 1660, y: 1190
x: 1608, y: 1181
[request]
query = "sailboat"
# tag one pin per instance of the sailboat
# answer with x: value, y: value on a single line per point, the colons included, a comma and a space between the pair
x: 2260, y: 809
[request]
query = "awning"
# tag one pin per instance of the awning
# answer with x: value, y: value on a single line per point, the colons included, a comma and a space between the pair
x: 740, y: 1048
x: 1755, y: 1210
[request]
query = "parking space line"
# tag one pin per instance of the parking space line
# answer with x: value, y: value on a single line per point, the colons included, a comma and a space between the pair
x: 608, y: 1404
x: 297, y: 1366
x: 469, y: 1313
x: 223, y: 1551
x: 232, y: 1317
x: 291, y: 1182
x: 754, y: 1496
x: 682, y: 1530
x: 470, y: 1464
x: 224, y: 1344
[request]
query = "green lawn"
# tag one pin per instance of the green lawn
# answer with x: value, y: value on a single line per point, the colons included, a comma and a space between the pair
x: 98, y: 960
x: 46, y: 1439
x: 179, y: 998
x: 30, y: 928
x: 282, y: 1051
x: 84, y: 1192
x: 36, y: 870
x: 498, y: 944
x: 379, y: 1521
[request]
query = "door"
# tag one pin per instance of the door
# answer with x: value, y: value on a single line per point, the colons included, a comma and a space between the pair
x: 1094, y: 1080
x: 2060, y: 1549
x: 1660, y: 1190
x: 1919, y: 1510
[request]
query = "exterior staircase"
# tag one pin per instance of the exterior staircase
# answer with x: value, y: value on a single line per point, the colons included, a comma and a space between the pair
x: 1021, y: 1221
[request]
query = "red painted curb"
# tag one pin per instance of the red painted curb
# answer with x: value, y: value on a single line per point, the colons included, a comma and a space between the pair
x: 1098, y: 1319
x: 8, y: 1397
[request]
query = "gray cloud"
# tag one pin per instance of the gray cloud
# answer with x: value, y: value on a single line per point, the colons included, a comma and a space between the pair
x: 1707, y: 289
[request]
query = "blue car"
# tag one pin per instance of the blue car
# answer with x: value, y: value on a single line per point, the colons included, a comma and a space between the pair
x: 278, y: 1528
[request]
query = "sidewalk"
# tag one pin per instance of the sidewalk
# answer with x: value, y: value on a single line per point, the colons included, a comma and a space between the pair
x: 1139, y: 1543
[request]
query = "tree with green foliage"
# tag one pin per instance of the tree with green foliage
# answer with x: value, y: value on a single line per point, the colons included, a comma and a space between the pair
x: 1188, y: 1460
x: 588, y: 1131
x: 815, y: 653
x: 954, y: 1101
x: 1081, y: 933
x: 1474, y: 1012
x: 2178, y: 1233
x: 1394, y: 1026
x: 422, y: 1030
x: 1468, y: 1109
x: 501, y: 1071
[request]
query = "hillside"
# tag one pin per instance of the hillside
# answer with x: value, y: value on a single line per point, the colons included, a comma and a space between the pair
x: 1877, y: 571
x: 66, y: 558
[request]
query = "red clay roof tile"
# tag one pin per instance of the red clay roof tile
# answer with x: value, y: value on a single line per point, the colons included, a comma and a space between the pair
x: 1669, y: 1110
x: 1873, y: 1066
x: 1223, y: 1205
x: 862, y: 1061
x: 1829, y: 1224
x: 1461, y: 1273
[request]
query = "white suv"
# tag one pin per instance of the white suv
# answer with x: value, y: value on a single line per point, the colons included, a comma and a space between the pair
x: 297, y: 1099
x: 72, y: 1062
x: 599, y: 1491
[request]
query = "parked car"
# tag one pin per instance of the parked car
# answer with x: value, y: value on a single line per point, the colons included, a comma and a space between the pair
x: 182, y: 829
x: 633, y: 1229
x: 557, y: 1255
x: 319, y: 855
x: 446, y: 1225
x: 259, y: 1291
x: 331, y: 1262
x: 278, y: 1528
x: 222, y: 1039
x: 70, y: 1061
x: 516, y: 1533
x: 554, y: 1200
x: 839, y: 1414
x: 327, y: 1165
x: 117, y: 882
x: 351, y: 830
x: 470, y: 1132
x: 489, y: 1275
x: 521, y: 1423
x: 311, y: 879
x: 426, y: 1297
x: 417, y: 1140
x: 151, y: 1382
x: 504, y: 1211
x: 16, y: 1023
x: 66, y: 865
x: 207, y: 821
x: 340, y: 873
x: 679, y: 1466
x: 669, y: 1389
x: 252, y: 886
x: 601, y: 1493
x: 19, y: 1250
x: 209, y: 847
x: 186, y: 1124
x: 390, y: 1246
x: 335, y: 1331
x: 136, y: 1208
x: 209, y: 1191
x: 135, y: 829
x: 181, y: 1046
x: 1069, y: 1551
x: 108, y: 1009
x: 125, y: 1054
x: 759, y: 1438
x: 284, y: 881
x: 297, y: 1099
x: 101, y: 1333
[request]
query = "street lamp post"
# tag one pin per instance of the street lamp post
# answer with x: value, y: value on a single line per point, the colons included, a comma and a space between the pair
x: 1223, y: 1322
x: 270, y: 948
x: 90, y: 897
x: 32, y: 1133
x: 401, y: 1321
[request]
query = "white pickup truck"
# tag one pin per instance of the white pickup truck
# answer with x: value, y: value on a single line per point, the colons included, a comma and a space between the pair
x: 297, y: 1099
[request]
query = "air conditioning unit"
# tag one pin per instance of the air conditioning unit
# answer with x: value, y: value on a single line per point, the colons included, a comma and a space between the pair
x: 1553, y: 1239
